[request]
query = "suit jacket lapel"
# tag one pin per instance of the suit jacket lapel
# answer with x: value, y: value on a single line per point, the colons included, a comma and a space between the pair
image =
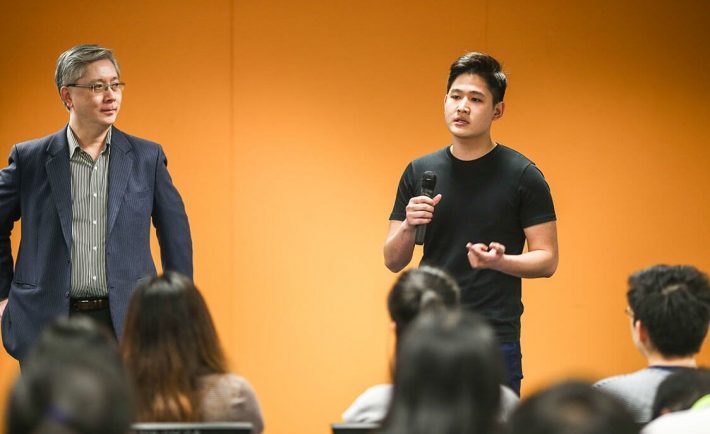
x: 119, y: 171
x: 59, y: 176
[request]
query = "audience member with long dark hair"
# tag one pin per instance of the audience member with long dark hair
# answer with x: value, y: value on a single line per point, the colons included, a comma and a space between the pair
x: 416, y: 291
x: 447, y: 377
x: 172, y: 352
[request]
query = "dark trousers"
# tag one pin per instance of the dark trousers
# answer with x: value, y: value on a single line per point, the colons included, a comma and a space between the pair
x: 100, y: 316
x: 513, y: 361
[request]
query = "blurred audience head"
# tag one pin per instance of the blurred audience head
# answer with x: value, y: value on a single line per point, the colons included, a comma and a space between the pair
x: 72, y: 382
x: 419, y: 290
x: 670, y: 306
x: 169, y: 341
x: 680, y: 390
x: 447, y: 377
x: 572, y: 408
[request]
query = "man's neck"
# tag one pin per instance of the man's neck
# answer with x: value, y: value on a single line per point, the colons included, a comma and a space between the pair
x: 656, y: 359
x: 91, y: 138
x: 471, y: 148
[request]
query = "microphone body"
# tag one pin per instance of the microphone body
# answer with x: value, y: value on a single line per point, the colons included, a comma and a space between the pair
x: 427, y: 187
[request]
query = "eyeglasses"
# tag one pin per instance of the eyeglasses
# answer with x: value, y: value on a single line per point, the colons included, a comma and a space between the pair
x: 98, y: 88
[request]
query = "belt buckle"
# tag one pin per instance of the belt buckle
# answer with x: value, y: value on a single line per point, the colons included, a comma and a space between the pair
x: 89, y: 304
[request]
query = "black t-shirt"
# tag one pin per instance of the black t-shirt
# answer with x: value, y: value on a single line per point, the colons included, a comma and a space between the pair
x: 492, y: 198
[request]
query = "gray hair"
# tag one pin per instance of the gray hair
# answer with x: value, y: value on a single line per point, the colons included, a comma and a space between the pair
x: 72, y: 63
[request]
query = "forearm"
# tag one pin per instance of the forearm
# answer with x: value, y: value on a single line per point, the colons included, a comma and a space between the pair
x: 399, y: 247
x: 536, y: 263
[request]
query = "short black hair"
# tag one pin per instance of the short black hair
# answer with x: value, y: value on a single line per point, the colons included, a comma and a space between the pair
x: 572, y: 407
x: 680, y: 390
x: 485, y: 66
x: 673, y: 304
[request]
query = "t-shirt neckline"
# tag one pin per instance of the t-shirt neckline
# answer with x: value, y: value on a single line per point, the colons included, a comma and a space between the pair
x: 490, y: 154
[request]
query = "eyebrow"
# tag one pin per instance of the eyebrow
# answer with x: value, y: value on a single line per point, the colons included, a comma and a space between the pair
x: 114, y: 78
x: 470, y: 92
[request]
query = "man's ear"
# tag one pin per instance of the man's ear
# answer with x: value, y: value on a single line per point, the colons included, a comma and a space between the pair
x: 498, y: 110
x: 641, y: 332
x: 65, y: 95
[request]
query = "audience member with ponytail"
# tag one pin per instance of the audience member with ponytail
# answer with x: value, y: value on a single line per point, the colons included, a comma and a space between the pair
x: 418, y: 290
x: 447, y: 377
x: 172, y: 352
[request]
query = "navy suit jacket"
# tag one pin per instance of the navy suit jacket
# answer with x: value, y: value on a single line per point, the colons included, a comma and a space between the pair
x: 36, y: 187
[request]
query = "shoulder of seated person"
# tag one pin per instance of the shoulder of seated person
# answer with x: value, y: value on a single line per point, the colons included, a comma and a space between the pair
x: 228, y: 379
x: 614, y: 379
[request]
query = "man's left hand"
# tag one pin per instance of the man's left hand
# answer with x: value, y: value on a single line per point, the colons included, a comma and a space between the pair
x: 485, y: 256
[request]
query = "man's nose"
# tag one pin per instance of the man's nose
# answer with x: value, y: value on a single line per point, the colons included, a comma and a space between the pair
x: 109, y: 94
x: 463, y: 106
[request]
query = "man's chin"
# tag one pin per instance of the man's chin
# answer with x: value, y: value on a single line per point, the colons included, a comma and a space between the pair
x: 108, y: 121
x: 463, y: 135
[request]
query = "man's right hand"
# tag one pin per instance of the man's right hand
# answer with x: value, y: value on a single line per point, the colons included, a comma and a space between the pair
x: 3, y: 303
x: 399, y: 245
x: 420, y: 210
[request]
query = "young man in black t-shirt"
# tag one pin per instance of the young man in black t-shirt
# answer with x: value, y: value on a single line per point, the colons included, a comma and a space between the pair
x: 489, y: 200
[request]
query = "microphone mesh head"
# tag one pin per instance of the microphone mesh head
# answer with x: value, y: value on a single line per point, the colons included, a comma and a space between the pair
x: 428, y: 180
x: 428, y: 183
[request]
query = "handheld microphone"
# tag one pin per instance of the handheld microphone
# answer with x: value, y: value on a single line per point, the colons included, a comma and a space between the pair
x: 428, y: 184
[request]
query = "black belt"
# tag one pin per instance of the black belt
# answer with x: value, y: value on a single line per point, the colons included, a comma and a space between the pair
x: 84, y: 304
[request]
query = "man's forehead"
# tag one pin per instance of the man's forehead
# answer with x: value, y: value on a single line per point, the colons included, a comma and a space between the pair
x: 100, y: 69
x: 470, y: 83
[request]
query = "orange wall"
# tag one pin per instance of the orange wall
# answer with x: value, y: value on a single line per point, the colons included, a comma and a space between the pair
x: 287, y: 126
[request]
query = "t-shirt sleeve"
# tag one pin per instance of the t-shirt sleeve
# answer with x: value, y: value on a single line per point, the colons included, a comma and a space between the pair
x: 405, y: 191
x: 536, y: 204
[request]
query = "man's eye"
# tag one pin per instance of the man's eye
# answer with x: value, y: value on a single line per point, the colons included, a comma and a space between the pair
x: 97, y: 87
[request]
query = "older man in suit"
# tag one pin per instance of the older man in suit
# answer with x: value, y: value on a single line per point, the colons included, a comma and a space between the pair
x: 86, y: 196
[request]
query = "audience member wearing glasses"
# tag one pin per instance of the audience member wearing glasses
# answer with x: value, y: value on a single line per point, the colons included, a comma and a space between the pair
x: 669, y: 308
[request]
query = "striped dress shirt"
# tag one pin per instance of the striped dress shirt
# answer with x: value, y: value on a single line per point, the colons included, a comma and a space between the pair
x: 89, y: 187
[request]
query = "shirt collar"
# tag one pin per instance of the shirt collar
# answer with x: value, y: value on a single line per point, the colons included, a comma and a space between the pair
x: 74, y: 143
